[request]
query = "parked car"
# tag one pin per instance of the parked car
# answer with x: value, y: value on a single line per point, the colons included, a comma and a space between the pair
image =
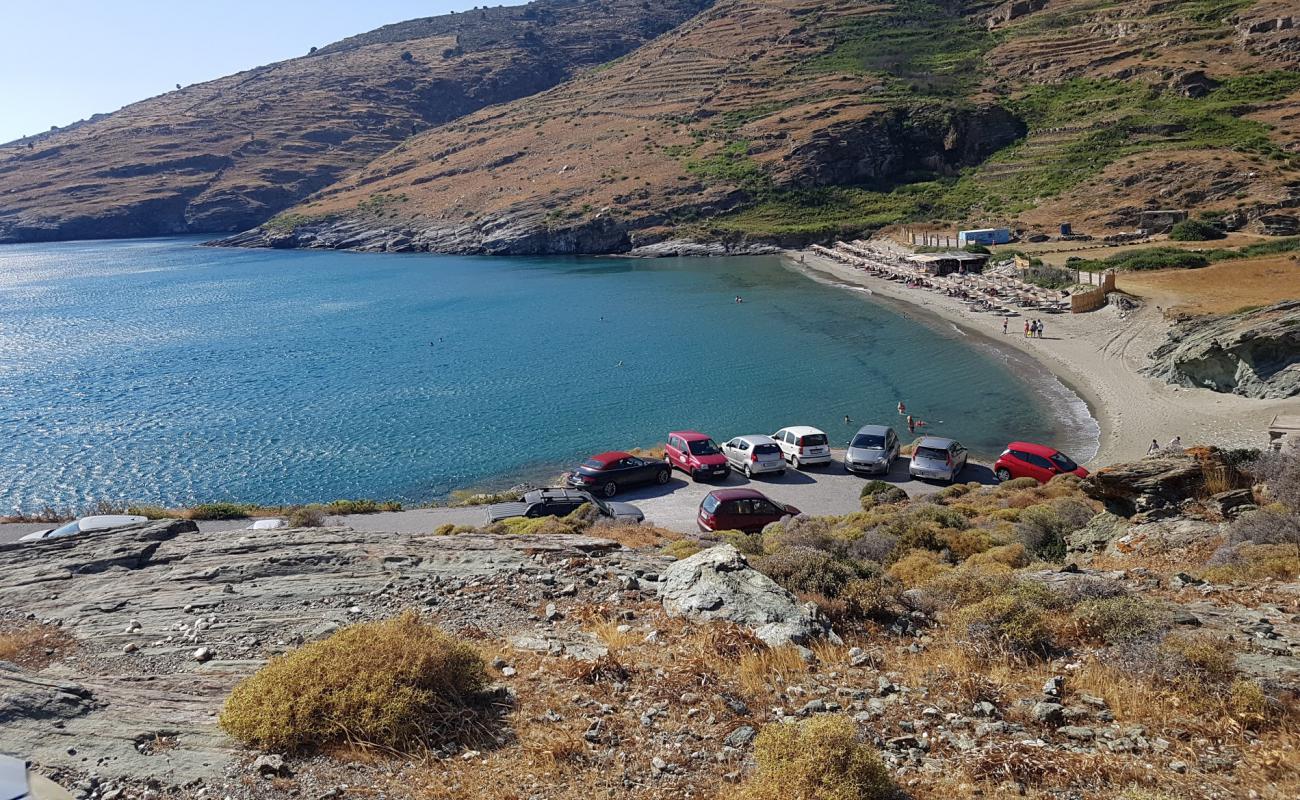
x: 872, y: 450
x: 803, y: 446
x: 754, y: 454
x: 95, y: 524
x: 695, y: 454
x: 1042, y: 463
x: 271, y: 524
x: 561, y: 502
x: 936, y: 458
x: 606, y: 473
x: 741, y: 509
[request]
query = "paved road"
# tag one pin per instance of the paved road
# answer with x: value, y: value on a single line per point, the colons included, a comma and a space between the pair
x: 816, y: 490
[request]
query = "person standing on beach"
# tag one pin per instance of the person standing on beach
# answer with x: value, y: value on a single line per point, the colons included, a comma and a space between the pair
x: 1040, y: 329
x: 1026, y: 329
x: 1004, y: 326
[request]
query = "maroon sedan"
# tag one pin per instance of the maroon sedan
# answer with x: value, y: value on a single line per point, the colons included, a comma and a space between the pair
x: 740, y: 510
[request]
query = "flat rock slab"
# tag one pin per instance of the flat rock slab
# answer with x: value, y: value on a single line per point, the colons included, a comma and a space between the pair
x: 244, y: 596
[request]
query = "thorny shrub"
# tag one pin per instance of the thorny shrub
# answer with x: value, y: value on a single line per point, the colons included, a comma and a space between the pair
x: 818, y: 758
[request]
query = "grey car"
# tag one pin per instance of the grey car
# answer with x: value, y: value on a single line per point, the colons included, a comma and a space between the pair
x: 938, y: 459
x: 559, y: 503
x: 872, y: 450
x: 754, y: 454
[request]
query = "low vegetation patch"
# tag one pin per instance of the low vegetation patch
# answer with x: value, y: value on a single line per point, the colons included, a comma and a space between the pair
x: 395, y: 684
x: 820, y: 758
x: 33, y: 645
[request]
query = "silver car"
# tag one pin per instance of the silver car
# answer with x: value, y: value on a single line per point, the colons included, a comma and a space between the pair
x: 872, y: 450
x: 938, y: 459
x: 754, y: 454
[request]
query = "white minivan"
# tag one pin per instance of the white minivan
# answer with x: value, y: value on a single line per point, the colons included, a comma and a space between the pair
x: 803, y: 446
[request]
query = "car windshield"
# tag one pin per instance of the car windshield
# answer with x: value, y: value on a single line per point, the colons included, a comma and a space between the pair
x: 767, y: 449
x: 812, y: 440
x: 66, y: 530
x: 1065, y: 463
x: 931, y: 452
x: 594, y: 464
x: 869, y: 441
x: 598, y: 503
x: 703, y: 447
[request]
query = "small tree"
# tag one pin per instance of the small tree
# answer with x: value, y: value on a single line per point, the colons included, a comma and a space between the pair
x: 1195, y: 230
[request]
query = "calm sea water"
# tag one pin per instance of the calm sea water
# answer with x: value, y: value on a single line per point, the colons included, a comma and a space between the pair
x: 161, y: 371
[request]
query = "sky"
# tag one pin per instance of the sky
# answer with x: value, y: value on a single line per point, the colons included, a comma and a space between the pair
x: 63, y: 60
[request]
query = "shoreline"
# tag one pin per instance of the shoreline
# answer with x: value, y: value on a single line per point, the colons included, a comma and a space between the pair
x: 1097, y: 357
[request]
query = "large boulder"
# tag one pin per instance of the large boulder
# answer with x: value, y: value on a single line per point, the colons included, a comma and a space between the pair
x: 1154, y: 483
x: 719, y: 584
x: 1253, y: 353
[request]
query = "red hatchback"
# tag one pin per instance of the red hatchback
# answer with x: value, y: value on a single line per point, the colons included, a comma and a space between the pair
x: 695, y: 454
x: 1025, y: 460
x: 740, y: 510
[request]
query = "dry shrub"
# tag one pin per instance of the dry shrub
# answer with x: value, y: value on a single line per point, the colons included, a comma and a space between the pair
x: 306, y: 517
x: 393, y: 683
x: 879, y: 493
x: 1010, y: 555
x: 606, y: 669
x: 965, y: 543
x: 1197, y: 658
x: 1005, y: 625
x: 682, y: 548
x: 1251, y: 562
x: 817, y: 759
x: 1251, y: 706
x: 33, y: 646
x: 970, y: 583
x: 1042, y: 528
x: 918, y: 568
x: 803, y: 570
x: 1016, y: 485
x: 750, y: 544
x: 758, y: 669
x: 870, y: 598
x: 1112, y: 620
x: 1045, y: 768
x: 632, y: 535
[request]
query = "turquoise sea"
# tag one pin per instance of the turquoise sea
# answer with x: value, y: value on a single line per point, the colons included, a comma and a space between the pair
x: 162, y: 371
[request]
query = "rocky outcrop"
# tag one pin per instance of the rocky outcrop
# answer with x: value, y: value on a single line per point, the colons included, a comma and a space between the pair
x: 719, y: 584
x: 1156, y: 483
x: 1255, y: 353
x: 229, y: 154
x: 167, y: 620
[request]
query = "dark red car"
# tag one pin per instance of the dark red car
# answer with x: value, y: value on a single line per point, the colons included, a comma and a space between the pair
x: 1042, y: 463
x: 607, y: 473
x: 695, y: 454
x: 740, y: 510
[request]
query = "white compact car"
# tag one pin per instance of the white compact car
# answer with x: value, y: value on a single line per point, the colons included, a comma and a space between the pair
x: 103, y: 522
x: 754, y: 454
x: 803, y: 446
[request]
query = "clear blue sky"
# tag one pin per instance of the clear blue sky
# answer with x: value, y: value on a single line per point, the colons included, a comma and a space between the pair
x: 63, y: 60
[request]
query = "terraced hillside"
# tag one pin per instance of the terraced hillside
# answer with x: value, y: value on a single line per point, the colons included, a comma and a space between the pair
x: 790, y: 120
x: 228, y: 154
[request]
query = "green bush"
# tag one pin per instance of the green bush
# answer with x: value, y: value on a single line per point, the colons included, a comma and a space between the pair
x: 306, y: 517
x: 817, y: 759
x: 1195, y: 230
x: 879, y: 493
x: 1042, y: 528
x: 208, y: 511
x: 395, y: 683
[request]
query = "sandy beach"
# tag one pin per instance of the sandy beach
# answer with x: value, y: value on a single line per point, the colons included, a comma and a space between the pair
x: 1098, y: 356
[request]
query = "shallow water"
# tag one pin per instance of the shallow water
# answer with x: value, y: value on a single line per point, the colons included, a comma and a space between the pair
x: 161, y: 371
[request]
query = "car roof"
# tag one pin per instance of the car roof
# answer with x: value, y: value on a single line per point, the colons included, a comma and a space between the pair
x: 802, y: 430
x: 690, y: 436
x: 937, y: 442
x: 108, y: 521
x: 558, y: 492
x: 757, y: 438
x: 737, y: 494
x: 609, y: 457
x: 1037, y: 449
x: 879, y: 430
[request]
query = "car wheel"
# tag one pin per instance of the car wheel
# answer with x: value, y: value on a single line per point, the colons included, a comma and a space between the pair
x: 609, y: 489
x: 1004, y: 475
x: 794, y: 462
x: 749, y: 473
x: 663, y: 476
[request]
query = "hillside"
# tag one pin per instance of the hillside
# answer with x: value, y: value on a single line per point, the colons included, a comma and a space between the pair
x: 228, y: 154
x: 790, y: 120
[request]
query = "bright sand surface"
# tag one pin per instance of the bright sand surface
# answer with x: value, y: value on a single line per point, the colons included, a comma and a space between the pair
x: 1098, y: 355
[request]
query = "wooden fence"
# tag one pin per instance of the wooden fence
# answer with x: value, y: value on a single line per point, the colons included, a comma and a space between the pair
x: 1093, y: 299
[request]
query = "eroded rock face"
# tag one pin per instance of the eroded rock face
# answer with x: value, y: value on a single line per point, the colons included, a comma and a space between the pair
x: 719, y: 584
x: 1255, y: 354
x: 1155, y: 482
x: 167, y: 620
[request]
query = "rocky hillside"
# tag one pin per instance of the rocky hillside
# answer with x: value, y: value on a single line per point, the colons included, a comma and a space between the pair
x: 1253, y: 353
x: 789, y: 120
x: 1131, y: 636
x: 228, y: 154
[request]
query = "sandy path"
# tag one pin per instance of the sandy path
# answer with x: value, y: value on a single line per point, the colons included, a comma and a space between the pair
x: 1098, y: 356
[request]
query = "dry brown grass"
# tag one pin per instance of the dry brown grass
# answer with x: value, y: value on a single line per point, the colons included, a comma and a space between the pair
x: 1220, y: 288
x: 34, y: 646
x: 635, y: 536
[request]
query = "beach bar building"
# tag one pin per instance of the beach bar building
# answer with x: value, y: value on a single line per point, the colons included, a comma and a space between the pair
x: 983, y: 236
x: 950, y: 262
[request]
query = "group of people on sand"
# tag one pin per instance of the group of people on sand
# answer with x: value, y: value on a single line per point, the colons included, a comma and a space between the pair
x: 1175, y: 443
x: 1034, y: 329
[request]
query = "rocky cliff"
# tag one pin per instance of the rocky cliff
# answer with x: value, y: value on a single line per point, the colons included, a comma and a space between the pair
x: 228, y: 154
x: 1254, y: 353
